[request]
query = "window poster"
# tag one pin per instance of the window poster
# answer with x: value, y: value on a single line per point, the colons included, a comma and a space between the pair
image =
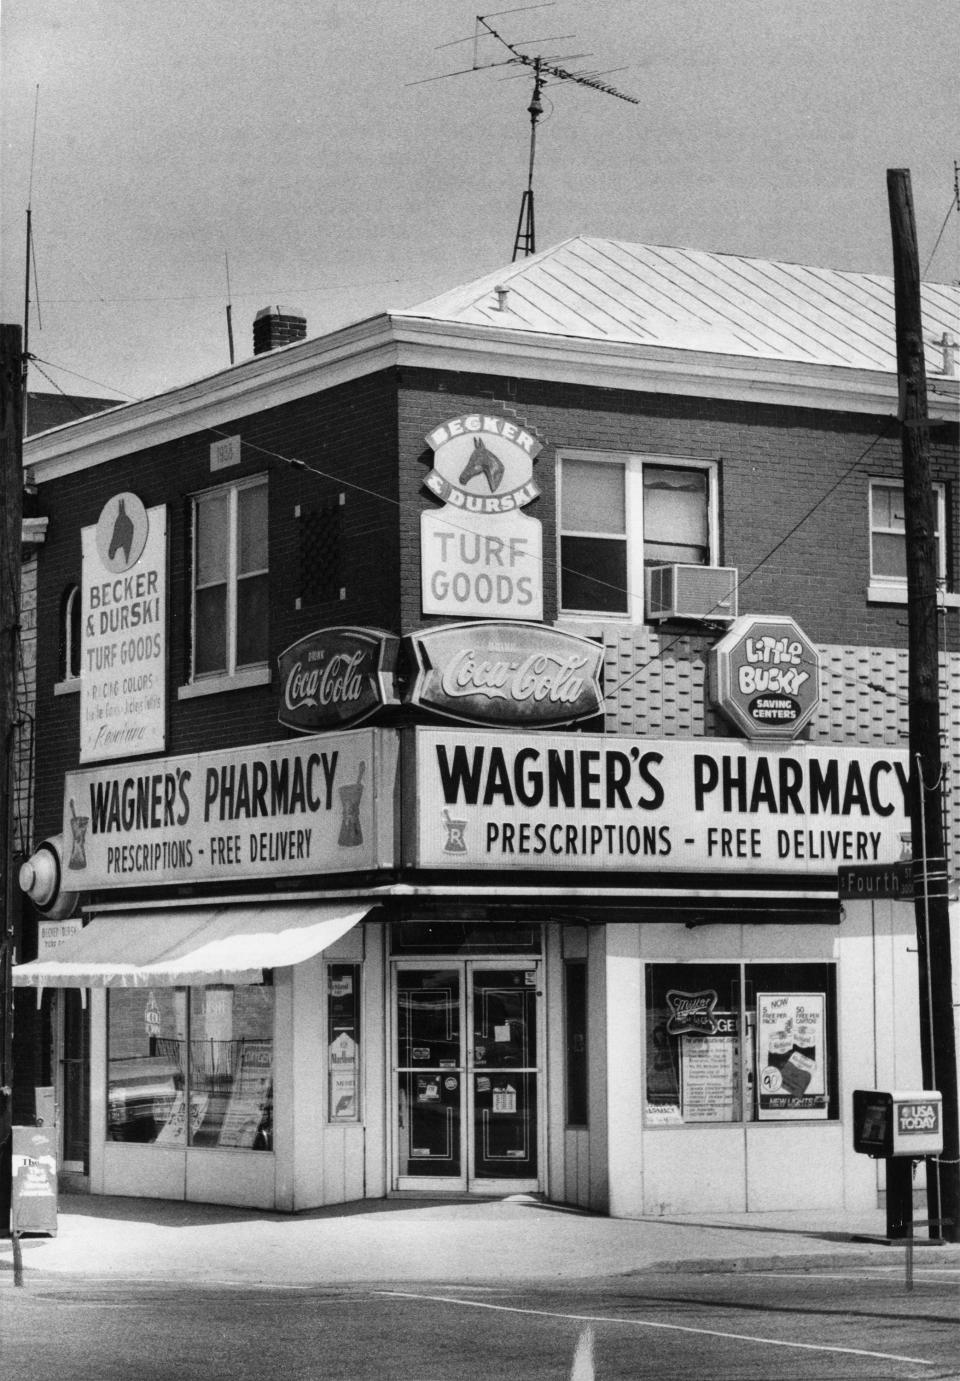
x: 791, y: 1056
x: 709, y: 1078
x: 251, y: 1096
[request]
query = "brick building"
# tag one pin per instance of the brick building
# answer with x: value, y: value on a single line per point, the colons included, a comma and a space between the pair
x: 478, y: 742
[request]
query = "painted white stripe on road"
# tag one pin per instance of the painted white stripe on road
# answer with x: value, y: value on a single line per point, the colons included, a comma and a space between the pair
x: 664, y: 1327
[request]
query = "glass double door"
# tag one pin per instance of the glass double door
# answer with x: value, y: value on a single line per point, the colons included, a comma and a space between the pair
x: 466, y: 1083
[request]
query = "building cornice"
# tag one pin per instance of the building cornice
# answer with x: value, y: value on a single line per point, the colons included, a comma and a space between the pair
x: 378, y: 343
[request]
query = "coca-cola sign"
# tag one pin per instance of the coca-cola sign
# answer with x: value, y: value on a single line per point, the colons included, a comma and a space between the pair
x: 335, y: 677
x: 507, y: 673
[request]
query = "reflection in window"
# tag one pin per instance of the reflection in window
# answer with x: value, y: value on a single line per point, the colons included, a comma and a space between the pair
x: 888, y: 533
x: 620, y: 514
x: 69, y: 668
x: 740, y: 1043
x: 230, y: 578
x: 191, y: 1066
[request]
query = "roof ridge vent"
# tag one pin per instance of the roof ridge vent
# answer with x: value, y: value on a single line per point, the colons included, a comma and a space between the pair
x: 502, y: 294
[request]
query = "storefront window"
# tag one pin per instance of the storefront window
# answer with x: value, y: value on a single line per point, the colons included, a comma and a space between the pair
x: 343, y: 1042
x: 740, y: 1043
x: 206, y: 1050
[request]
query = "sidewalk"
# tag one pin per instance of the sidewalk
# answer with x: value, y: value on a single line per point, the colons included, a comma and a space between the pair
x: 517, y: 1238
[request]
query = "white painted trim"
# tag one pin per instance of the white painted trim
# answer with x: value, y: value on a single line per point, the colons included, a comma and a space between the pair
x: 308, y: 367
x: 216, y: 685
x: 70, y: 685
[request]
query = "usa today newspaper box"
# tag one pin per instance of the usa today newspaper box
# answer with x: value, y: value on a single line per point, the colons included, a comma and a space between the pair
x: 897, y: 1124
x: 898, y: 1128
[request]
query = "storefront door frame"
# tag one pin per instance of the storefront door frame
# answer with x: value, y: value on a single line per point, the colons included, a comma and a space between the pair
x: 468, y: 1072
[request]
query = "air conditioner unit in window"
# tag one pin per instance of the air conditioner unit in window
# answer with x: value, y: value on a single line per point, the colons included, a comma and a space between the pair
x: 692, y: 592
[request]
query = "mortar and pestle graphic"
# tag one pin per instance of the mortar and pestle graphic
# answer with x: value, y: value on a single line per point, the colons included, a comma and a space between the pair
x: 78, y: 832
x: 351, y: 833
x: 455, y: 842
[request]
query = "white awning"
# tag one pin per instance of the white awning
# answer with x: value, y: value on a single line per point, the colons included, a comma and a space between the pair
x: 168, y: 949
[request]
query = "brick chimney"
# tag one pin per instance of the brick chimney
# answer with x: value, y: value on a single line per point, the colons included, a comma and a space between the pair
x: 273, y: 326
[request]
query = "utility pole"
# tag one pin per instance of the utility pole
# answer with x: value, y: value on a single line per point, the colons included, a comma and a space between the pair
x: 938, y: 1046
x: 11, y: 518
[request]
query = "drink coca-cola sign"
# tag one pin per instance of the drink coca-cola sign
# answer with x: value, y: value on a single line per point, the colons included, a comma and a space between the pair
x: 336, y: 676
x: 507, y: 673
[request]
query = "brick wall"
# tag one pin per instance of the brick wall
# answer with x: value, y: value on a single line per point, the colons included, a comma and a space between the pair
x: 347, y: 436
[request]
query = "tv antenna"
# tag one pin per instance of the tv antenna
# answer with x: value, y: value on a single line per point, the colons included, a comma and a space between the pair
x: 545, y: 69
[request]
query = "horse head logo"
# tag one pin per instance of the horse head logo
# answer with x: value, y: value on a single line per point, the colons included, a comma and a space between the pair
x: 483, y: 462
x: 122, y: 539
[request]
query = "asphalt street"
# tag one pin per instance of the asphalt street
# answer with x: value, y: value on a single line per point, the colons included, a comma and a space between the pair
x: 819, y: 1323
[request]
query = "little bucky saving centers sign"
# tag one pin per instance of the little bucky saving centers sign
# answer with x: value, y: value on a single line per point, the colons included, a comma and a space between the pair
x: 480, y: 555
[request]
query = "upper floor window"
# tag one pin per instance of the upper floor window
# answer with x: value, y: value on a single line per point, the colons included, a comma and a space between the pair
x: 619, y: 514
x: 69, y: 667
x: 888, y: 538
x: 230, y: 578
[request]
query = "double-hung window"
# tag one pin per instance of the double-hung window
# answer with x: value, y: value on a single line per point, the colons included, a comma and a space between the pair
x: 230, y: 579
x: 620, y: 514
x: 888, y: 539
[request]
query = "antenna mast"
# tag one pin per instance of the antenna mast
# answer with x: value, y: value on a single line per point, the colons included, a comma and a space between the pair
x: 26, y: 289
x: 542, y: 68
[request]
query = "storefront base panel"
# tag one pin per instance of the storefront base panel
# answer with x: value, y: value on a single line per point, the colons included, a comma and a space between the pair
x: 147, y: 1172
x: 794, y: 1167
x: 693, y: 1171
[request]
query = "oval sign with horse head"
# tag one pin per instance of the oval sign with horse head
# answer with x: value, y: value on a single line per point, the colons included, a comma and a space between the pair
x: 483, y: 464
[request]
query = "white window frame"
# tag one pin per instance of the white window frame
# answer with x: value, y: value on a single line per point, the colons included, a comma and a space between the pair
x: 892, y: 589
x: 70, y: 681
x: 232, y: 678
x: 633, y: 463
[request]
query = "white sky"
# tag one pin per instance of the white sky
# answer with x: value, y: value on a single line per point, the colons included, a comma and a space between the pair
x: 286, y: 133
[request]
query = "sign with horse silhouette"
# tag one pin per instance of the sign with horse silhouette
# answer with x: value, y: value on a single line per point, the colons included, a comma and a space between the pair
x: 480, y: 554
x: 123, y: 637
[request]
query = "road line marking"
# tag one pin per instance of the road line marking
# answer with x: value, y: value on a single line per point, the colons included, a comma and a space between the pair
x: 665, y: 1327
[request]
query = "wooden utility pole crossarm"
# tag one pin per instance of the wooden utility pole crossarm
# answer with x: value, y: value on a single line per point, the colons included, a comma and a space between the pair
x: 937, y: 1030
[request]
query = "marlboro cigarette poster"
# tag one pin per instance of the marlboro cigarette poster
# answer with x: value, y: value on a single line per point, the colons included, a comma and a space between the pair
x: 791, y: 1056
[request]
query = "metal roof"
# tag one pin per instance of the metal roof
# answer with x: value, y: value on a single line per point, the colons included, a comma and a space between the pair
x: 686, y: 299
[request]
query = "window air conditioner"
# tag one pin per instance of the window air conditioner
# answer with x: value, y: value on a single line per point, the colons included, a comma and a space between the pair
x: 692, y: 592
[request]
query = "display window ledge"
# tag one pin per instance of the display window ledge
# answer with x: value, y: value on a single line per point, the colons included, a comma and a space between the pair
x: 217, y: 685
x: 897, y: 594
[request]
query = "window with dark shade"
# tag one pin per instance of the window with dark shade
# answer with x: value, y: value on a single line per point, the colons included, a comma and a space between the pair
x: 575, y: 1040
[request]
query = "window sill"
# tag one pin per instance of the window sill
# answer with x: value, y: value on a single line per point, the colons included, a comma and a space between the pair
x: 217, y: 685
x: 70, y: 686
x: 897, y: 594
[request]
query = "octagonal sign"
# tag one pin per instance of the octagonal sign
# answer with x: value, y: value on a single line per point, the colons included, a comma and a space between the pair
x: 765, y: 677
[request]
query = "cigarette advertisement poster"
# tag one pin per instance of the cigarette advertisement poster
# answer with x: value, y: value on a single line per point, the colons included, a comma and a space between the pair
x: 791, y: 1056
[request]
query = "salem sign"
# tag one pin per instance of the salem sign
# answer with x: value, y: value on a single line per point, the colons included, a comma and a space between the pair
x: 335, y: 677
x: 765, y: 677
x: 503, y: 673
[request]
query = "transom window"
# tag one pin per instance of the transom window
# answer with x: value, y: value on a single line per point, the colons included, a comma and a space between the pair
x: 888, y: 534
x: 619, y: 514
x: 230, y: 578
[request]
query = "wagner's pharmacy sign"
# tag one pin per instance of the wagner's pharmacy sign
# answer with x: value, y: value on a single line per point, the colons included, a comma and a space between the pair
x: 596, y: 802
x: 269, y: 810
